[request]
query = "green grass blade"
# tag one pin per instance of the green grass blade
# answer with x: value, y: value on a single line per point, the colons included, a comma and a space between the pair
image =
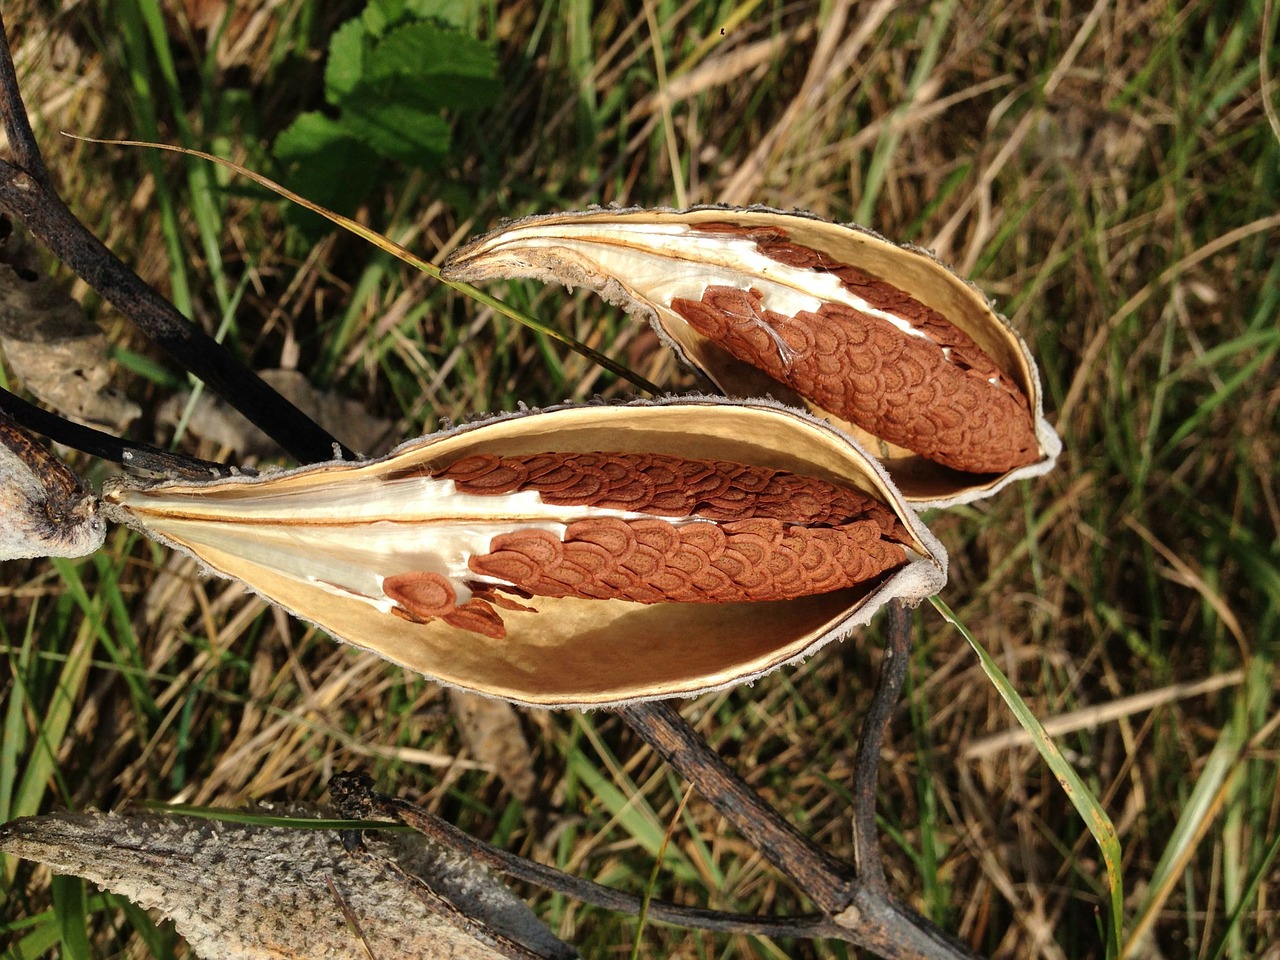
x: 635, y: 818
x: 1212, y: 792
x: 887, y: 145
x: 71, y: 908
x: 1081, y: 797
x: 1197, y: 815
x: 14, y: 731
x: 45, y: 936
x: 407, y: 256
x: 629, y: 809
x: 56, y: 720
x: 1247, y: 896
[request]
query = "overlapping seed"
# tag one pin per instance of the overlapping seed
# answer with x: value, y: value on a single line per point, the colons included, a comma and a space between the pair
x: 736, y: 533
x: 933, y: 390
x: 657, y: 561
x: 670, y: 486
x: 421, y: 596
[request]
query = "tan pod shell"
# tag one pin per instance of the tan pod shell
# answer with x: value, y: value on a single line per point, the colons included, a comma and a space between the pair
x: 566, y: 651
x: 760, y: 301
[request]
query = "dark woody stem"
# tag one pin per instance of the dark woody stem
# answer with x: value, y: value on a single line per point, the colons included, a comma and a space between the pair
x: 825, y: 879
x: 354, y: 797
x: 866, y: 764
x: 27, y: 195
x: 857, y: 900
x: 96, y: 443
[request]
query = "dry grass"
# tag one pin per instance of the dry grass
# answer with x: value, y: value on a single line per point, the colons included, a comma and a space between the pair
x: 1106, y: 171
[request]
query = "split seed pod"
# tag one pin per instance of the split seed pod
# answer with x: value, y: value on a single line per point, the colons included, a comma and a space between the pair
x: 581, y: 556
x: 880, y: 339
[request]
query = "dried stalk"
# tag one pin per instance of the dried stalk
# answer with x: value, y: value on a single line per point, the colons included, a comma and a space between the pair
x: 138, y: 456
x: 27, y: 195
x: 354, y: 797
x: 857, y: 900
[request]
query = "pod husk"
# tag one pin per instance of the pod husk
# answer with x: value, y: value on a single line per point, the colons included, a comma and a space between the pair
x: 571, y: 248
x: 574, y: 652
x: 251, y: 891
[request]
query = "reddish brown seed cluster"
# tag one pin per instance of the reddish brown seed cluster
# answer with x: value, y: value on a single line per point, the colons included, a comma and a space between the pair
x: 656, y: 561
x: 671, y: 487
x: 861, y: 367
x: 760, y: 534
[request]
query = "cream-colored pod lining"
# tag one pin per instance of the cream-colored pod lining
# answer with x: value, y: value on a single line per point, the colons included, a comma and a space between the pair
x: 571, y: 247
x: 573, y: 652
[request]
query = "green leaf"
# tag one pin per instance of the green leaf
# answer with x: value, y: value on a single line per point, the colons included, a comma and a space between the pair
x: 70, y: 905
x: 39, y: 942
x: 406, y: 127
x: 425, y: 49
x: 447, y: 68
x: 309, y: 134
x: 345, y: 65
x: 453, y: 12
x: 326, y: 163
x: 381, y: 14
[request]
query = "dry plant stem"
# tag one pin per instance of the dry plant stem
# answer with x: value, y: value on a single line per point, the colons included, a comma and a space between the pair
x: 138, y: 456
x: 27, y: 195
x: 864, y: 911
x: 826, y: 880
x: 866, y: 764
x: 353, y: 796
x: 53, y: 473
x: 873, y: 907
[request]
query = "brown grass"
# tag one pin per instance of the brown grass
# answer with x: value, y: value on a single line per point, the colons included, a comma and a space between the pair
x: 1105, y: 171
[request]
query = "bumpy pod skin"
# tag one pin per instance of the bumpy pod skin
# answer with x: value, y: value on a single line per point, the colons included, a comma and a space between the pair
x: 245, y: 891
x: 549, y: 604
x: 881, y: 339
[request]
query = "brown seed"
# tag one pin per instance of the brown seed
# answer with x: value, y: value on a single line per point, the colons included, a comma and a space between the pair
x: 894, y: 385
x: 478, y: 616
x: 667, y: 486
x: 612, y: 536
x: 425, y: 595
x: 753, y: 560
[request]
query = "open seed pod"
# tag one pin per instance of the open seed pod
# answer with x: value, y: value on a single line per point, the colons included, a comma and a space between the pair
x: 880, y: 339
x: 581, y: 556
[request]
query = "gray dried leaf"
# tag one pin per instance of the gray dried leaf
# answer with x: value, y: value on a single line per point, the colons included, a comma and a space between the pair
x: 46, y: 511
x: 213, y: 419
x: 491, y: 730
x: 250, y: 892
x: 57, y: 354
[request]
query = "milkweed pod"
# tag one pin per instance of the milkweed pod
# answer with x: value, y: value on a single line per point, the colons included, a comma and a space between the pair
x: 880, y: 339
x: 580, y: 556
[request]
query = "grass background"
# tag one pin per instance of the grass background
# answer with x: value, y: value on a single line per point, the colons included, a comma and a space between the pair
x: 1109, y: 172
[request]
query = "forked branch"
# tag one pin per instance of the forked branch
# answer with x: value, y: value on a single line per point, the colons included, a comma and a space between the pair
x: 354, y: 797
x: 857, y: 899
